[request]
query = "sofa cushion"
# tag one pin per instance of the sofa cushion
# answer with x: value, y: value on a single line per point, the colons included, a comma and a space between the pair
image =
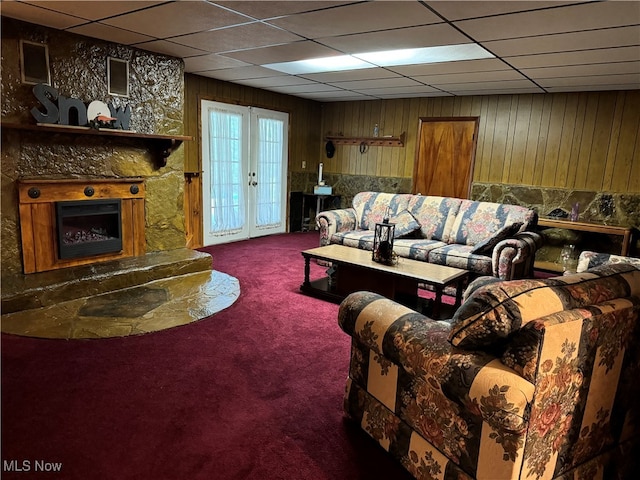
x: 362, y: 239
x: 405, y: 224
x: 496, y: 310
x: 372, y: 207
x: 460, y: 256
x: 478, y: 221
x: 415, y: 248
x: 485, y: 247
x: 435, y: 215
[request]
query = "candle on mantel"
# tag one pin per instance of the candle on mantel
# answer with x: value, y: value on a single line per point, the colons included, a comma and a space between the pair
x: 320, y: 174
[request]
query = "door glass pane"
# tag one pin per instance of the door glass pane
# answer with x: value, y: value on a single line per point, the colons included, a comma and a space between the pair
x: 269, y: 172
x: 226, y: 177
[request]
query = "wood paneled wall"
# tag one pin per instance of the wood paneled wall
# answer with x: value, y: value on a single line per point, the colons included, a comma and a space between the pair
x: 304, y: 135
x: 578, y: 141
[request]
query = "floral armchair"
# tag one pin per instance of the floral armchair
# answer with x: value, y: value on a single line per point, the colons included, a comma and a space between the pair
x: 531, y: 379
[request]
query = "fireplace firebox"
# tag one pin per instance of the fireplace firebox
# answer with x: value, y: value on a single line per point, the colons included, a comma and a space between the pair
x: 89, y: 227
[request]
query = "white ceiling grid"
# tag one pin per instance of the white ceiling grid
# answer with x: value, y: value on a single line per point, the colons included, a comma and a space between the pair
x: 540, y: 46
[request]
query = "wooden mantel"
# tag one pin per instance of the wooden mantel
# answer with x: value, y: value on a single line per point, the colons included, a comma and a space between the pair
x: 37, y: 203
x: 161, y: 146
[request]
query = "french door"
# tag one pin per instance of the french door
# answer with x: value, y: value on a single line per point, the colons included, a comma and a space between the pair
x: 244, y: 163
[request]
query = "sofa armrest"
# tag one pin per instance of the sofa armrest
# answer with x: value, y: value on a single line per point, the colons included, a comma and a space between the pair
x: 513, y: 258
x: 473, y: 379
x: 333, y: 221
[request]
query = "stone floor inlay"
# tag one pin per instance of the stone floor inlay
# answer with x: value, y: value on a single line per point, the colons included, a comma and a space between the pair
x: 157, y: 305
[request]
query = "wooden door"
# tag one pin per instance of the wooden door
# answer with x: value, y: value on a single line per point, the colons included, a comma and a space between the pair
x: 444, y: 156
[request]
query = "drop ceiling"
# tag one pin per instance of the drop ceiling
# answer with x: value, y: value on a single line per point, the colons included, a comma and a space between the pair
x: 536, y: 46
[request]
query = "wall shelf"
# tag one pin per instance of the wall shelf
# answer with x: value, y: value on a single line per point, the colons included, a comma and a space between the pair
x: 161, y: 146
x: 369, y: 141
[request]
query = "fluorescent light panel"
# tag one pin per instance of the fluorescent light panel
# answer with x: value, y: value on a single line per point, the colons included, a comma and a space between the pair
x: 386, y: 58
x: 318, y: 65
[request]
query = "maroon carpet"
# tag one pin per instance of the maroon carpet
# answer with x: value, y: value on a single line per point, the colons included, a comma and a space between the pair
x: 253, y: 392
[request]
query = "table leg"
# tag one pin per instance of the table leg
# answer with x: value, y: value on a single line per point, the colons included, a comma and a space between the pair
x: 307, y: 271
x: 459, y: 288
x: 435, y: 311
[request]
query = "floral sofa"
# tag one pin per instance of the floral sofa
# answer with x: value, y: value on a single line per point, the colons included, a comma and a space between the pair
x: 531, y: 379
x: 482, y: 237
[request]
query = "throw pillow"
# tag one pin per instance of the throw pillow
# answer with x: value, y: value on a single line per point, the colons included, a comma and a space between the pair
x: 405, y: 224
x: 486, y: 246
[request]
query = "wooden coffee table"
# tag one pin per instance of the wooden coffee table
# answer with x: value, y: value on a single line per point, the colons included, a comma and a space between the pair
x: 354, y: 270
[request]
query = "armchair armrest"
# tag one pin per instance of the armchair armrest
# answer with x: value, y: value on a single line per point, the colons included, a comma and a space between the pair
x: 513, y: 258
x: 473, y: 379
x: 589, y: 259
x: 333, y: 221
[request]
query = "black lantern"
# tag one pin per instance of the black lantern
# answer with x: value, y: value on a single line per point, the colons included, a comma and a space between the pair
x: 383, y: 243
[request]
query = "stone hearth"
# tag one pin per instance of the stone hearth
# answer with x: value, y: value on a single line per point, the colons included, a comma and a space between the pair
x: 118, y: 298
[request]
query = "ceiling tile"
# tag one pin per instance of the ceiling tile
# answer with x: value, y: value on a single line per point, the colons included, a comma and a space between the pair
x: 497, y: 85
x: 40, y: 16
x: 571, y: 18
x: 435, y: 93
x: 242, y: 73
x: 211, y: 62
x: 411, y: 37
x: 96, y: 10
x: 377, y: 83
x: 459, y: 10
x: 417, y: 89
x: 566, y: 42
x: 177, y: 18
x: 444, y: 79
x: 313, y: 87
x: 237, y: 38
x: 591, y: 88
x: 464, y: 66
x: 167, y: 47
x: 340, y: 96
x: 357, y: 18
x: 497, y: 91
x: 603, y: 55
x: 604, y: 69
x: 111, y: 34
x: 362, y: 74
x: 262, y: 10
x: 279, y: 81
x: 629, y: 80
x: 284, y: 53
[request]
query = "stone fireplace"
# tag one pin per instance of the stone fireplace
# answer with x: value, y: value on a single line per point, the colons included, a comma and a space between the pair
x: 94, y: 159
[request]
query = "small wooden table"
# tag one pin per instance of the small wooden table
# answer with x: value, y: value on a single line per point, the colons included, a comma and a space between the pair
x: 355, y: 270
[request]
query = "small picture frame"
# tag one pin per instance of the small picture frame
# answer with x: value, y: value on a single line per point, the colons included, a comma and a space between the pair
x: 118, y: 77
x: 34, y: 63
